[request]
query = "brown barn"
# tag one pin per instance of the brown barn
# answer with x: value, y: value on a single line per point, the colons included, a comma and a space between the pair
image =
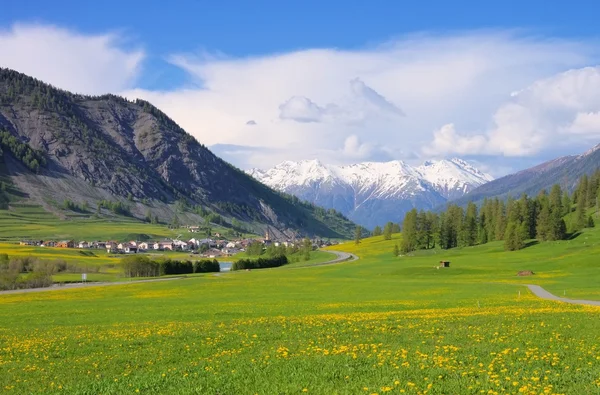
x: 444, y: 263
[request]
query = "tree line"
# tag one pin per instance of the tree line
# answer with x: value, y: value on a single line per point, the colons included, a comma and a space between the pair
x: 31, y: 272
x: 260, y: 263
x: 294, y: 252
x: 143, y: 266
x: 514, y: 221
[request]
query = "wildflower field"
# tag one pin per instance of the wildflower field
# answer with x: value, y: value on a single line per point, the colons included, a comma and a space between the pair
x: 378, y: 325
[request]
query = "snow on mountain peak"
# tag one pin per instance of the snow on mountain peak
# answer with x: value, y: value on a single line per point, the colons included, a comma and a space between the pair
x: 368, y: 192
x: 451, y: 178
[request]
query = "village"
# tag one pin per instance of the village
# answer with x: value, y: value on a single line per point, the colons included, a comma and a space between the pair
x: 215, y: 246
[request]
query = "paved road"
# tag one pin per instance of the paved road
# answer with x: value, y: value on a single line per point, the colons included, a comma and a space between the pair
x: 542, y: 293
x: 340, y: 258
x: 57, y: 287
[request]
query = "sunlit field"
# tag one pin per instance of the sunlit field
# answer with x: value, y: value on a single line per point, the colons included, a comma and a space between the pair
x: 378, y: 325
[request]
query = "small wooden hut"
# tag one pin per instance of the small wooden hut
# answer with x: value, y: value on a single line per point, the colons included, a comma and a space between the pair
x: 444, y: 263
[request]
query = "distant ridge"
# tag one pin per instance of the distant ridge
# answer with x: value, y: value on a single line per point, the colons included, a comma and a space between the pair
x: 565, y: 171
x: 372, y: 193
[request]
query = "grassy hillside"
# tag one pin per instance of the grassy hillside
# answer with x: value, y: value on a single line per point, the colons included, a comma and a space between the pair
x: 381, y: 324
x: 24, y: 221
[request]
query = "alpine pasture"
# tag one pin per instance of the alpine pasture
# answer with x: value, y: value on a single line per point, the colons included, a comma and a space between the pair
x: 382, y: 324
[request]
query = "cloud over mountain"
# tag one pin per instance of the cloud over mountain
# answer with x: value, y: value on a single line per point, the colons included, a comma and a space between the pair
x: 416, y: 96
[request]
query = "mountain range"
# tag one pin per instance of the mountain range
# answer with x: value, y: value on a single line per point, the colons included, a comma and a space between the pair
x: 58, y: 147
x: 564, y: 171
x: 373, y: 193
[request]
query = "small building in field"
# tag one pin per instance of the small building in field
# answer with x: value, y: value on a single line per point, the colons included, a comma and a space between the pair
x: 84, y: 244
x: 444, y: 263
x: 49, y: 243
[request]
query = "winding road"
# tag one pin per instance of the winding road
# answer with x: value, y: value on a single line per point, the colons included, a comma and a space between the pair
x: 340, y: 258
x: 58, y: 287
x: 542, y: 293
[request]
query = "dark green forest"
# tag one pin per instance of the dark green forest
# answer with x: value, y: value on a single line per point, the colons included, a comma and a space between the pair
x: 513, y: 221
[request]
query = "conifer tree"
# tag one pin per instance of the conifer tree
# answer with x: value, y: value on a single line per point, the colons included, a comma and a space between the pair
x: 377, y: 231
x: 580, y: 212
x: 544, y: 222
x: 500, y: 220
x: 396, y: 251
x: 566, y: 203
x: 409, y: 234
x: 357, y: 234
x: 469, y: 227
x: 387, y: 231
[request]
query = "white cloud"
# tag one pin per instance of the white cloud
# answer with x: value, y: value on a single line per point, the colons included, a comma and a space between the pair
x: 420, y: 94
x: 309, y: 102
x: 92, y: 64
x: 586, y: 123
x: 302, y: 109
x: 561, y: 110
x: 361, y: 104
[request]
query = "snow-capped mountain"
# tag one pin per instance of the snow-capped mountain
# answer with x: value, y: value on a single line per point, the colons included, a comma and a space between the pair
x: 372, y: 193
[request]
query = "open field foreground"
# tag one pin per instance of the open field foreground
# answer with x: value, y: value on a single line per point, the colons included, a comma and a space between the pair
x: 373, y: 326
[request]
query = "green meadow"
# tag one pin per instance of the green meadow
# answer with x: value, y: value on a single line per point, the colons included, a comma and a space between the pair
x: 24, y: 221
x: 382, y: 324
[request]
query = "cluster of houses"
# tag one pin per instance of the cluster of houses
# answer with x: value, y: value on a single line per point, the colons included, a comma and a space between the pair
x: 207, y: 247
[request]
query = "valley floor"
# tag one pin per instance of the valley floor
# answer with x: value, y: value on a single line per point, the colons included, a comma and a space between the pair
x: 381, y: 324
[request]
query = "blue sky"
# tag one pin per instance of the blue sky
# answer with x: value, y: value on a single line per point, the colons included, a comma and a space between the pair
x: 366, y: 80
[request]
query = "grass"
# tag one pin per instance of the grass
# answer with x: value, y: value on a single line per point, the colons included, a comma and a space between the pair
x: 377, y: 325
x: 24, y: 221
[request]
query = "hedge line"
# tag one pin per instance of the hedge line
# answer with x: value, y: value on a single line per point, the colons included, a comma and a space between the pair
x: 142, y: 266
x: 260, y: 263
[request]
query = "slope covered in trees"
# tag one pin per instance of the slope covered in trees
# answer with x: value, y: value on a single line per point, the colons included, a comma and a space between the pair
x: 515, y: 221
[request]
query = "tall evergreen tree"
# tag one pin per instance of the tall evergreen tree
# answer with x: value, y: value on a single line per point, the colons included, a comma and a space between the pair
x: 499, y: 220
x: 357, y: 234
x: 580, y: 212
x: 387, y: 231
x: 377, y: 231
x: 566, y: 203
x: 409, y: 234
x: 544, y: 222
x: 469, y: 226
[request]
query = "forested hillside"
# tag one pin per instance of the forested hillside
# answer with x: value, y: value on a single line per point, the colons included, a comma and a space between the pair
x: 553, y: 215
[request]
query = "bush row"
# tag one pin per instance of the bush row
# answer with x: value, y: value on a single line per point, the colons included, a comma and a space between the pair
x: 260, y: 263
x: 143, y: 266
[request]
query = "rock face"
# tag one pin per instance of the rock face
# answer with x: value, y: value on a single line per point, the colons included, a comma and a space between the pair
x: 102, y: 147
x: 373, y: 193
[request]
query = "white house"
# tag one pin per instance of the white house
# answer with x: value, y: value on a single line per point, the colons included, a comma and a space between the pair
x: 84, y: 244
x: 163, y: 245
x: 180, y: 245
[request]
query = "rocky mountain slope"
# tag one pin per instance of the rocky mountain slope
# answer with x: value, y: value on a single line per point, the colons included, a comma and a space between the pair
x: 106, y: 147
x: 373, y: 193
x: 565, y: 171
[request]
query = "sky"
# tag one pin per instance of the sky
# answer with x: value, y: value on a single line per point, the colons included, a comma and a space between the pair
x: 505, y: 85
